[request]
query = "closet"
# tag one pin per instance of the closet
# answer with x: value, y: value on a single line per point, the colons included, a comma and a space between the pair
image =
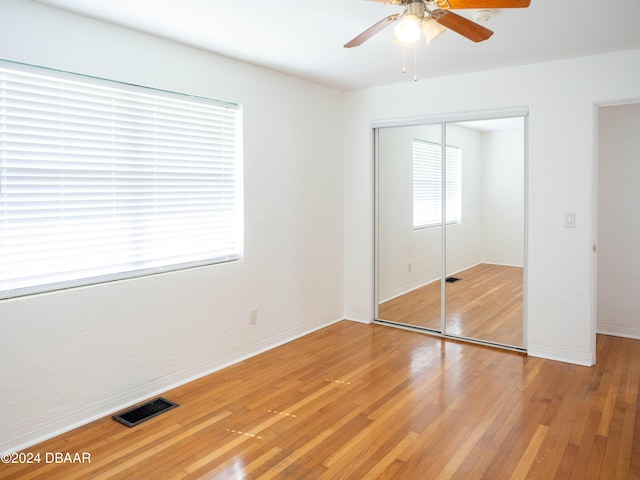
x: 451, y: 227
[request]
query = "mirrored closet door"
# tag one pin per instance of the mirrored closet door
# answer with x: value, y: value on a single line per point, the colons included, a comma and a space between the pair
x: 409, y: 226
x: 457, y: 209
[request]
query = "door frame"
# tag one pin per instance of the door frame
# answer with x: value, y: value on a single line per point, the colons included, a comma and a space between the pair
x: 594, y: 209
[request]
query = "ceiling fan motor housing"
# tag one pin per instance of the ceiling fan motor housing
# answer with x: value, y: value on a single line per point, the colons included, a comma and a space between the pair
x: 416, y: 8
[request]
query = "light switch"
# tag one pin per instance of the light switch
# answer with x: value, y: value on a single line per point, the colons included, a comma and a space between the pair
x: 570, y: 220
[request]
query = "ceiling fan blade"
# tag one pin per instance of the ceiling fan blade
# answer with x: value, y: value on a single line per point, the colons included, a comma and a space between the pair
x: 461, y: 25
x: 391, y: 2
x: 371, y: 31
x: 455, y: 4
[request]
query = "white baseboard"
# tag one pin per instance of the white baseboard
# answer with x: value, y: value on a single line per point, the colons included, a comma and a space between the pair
x: 366, y: 322
x: 504, y: 264
x: 560, y: 355
x: 618, y: 330
x: 156, y: 387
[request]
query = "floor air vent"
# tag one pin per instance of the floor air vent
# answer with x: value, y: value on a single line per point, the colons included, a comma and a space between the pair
x: 452, y: 279
x: 139, y: 414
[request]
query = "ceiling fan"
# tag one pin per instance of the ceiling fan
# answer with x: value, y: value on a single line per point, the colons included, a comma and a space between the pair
x: 432, y: 16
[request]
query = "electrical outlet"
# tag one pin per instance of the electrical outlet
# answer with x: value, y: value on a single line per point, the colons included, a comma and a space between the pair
x: 254, y: 317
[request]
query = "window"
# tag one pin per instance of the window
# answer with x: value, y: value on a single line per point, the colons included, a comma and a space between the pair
x: 427, y: 184
x: 102, y: 181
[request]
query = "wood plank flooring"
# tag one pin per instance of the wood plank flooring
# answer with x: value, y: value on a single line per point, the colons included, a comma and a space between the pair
x: 355, y: 401
x: 486, y: 304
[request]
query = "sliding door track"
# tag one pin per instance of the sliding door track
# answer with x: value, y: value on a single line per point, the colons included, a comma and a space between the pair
x: 437, y: 333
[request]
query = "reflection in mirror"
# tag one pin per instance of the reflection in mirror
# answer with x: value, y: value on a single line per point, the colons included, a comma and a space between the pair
x: 478, y: 184
x: 409, y: 225
x: 485, y: 249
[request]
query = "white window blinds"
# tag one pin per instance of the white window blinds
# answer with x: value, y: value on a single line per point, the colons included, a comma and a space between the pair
x: 427, y: 184
x: 100, y: 181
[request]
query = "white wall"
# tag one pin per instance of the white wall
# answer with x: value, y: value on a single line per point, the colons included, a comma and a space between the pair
x: 72, y: 356
x: 560, y: 98
x: 464, y: 245
x: 618, y: 279
x: 503, y: 197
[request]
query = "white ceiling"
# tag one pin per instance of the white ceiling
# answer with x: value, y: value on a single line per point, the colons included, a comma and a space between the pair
x: 305, y: 38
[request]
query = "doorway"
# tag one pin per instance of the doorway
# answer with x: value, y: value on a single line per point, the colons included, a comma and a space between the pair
x: 618, y: 222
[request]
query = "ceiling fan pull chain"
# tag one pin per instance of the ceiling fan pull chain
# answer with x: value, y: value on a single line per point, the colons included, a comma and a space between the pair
x: 403, y: 69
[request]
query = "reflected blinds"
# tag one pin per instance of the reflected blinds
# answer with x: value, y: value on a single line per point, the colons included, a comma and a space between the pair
x: 427, y: 184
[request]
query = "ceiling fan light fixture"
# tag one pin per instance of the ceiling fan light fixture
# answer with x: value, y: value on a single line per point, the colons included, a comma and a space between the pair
x: 402, y: 44
x: 482, y: 15
x: 408, y: 29
x: 432, y: 29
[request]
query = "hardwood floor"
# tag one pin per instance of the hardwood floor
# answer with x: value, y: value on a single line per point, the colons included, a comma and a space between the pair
x: 486, y: 304
x: 355, y: 401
